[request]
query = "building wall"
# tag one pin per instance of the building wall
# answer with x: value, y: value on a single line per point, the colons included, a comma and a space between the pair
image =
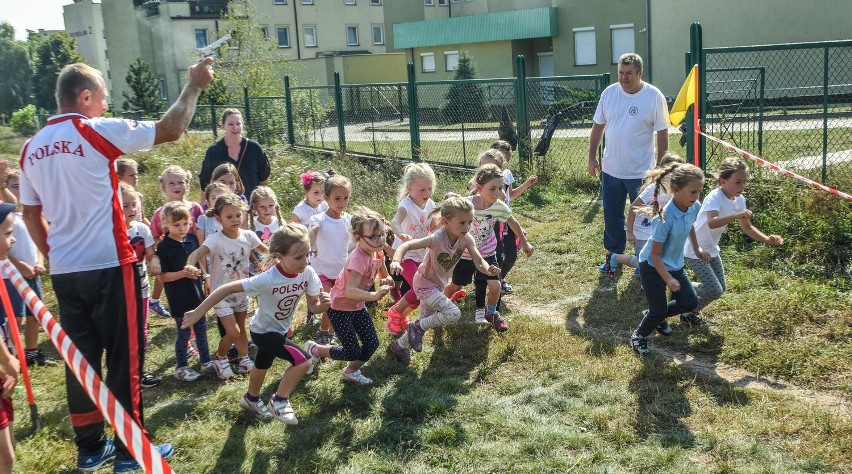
x: 736, y: 23
x: 123, y: 44
x: 84, y: 22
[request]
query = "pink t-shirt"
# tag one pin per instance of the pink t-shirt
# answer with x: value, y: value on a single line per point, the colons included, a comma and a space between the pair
x: 361, y: 262
x: 195, y: 210
x: 437, y: 268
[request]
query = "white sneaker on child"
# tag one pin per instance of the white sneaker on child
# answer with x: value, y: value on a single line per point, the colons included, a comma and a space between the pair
x: 223, y: 368
x: 480, y: 316
x: 186, y: 374
x: 208, y: 367
x: 283, y: 411
x: 314, y: 359
x: 258, y: 408
x: 245, y: 366
x: 356, y: 378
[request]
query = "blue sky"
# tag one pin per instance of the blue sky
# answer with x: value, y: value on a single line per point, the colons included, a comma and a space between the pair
x: 33, y: 14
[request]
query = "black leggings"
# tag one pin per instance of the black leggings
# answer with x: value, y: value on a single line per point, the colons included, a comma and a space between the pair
x: 273, y: 344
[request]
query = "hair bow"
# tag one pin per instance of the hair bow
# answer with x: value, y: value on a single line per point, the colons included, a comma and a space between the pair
x: 307, y: 177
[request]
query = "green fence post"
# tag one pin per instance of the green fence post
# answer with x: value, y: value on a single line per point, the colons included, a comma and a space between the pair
x: 413, y: 115
x: 522, y: 107
x: 825, y: 115
x: 248, y: 110
x: 697, y: 54
x: 288, y: 112
x: 338, y: 104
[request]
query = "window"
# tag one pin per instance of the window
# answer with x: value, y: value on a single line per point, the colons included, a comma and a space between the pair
x: 429, y: 3
x: 623, y: 40
x: 375, y: 2
x: 452, y: 60
x: 164, y: 95
x: 310, y: 36
x: 283, y: 34
x: 307, y: 2
x: 349, y: 2
x: 427, y: 62
x: 352, y: 35
x: 378, y: 34
x: 280, y: 2
x: 443, y: 3
x: 265, y: 31
x: 585, y: 51
x: 200, y: 38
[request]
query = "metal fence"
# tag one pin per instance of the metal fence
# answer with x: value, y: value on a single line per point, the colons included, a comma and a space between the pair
x: 789, y: 103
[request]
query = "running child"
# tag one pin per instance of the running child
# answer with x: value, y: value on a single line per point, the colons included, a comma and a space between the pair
x: 444, y: 249
x: 313, y: 185
x: 142, y: 243
x: 128, y: 172
x: 489, y: 209
x: 278, y: 290
x: 411, y: 221
x: 174, y: 182
x: 227, y: 174
x: 25, y: 256
x: 330, y: 242
x: 348, y: 313
x: 638, y: 226
x: 229, y: 252
x: 661, y: 259
x: 723, y: 205
x: 183, y: 286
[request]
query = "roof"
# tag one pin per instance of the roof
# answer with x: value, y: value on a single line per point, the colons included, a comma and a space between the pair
x: 498, y: 26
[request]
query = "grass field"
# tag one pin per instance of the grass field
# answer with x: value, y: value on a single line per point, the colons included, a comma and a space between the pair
x: 765, y: 388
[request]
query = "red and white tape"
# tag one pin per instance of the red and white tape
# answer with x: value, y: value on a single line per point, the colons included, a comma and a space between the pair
x: 122, y: 423
x: 777, y: 168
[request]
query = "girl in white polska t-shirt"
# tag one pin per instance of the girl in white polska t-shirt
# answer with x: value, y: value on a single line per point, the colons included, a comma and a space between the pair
x: 278, y: 290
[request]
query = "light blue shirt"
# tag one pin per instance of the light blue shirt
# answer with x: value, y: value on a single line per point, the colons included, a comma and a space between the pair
x: 672, y: 233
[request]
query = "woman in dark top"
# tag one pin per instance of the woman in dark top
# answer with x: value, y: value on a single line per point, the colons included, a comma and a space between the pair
x: 246, y: 155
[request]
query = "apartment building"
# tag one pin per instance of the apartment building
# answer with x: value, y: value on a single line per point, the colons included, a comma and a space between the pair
x: 84, y: 22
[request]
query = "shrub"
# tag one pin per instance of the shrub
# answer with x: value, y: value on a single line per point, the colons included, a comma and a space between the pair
x: 578, y: 103
x: 24, y: 120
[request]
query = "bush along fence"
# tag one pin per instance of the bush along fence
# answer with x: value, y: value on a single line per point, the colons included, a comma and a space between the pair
x: 446, y: 123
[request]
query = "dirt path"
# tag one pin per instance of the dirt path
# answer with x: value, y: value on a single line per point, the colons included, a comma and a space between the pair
x: 737, y: 377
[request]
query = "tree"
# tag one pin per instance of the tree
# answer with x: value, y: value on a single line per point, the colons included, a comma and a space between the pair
x: 146, y: 89
x: 465, y: 101
x: 16, y: 80
x: 58, y: 51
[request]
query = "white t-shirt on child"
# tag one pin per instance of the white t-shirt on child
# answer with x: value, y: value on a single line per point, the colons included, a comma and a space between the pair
x: 305, y: 211
x: 25, y: 249
x: 332, y: 244
x: 265, y: 231
x: 140, y: 239
x: 642, y: 223
x: 278, y: 295
x: 708, y: 239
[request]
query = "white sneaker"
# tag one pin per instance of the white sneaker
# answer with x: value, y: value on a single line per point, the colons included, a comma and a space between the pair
x: 356, y: 378
x: 223, y: 368
x: 480, y: 316
x: 258, y: 408
x: 208, y: 367
x: 245, y: 365
x: 283, y: 411
x: 314, y: 359
x: 186, y: 374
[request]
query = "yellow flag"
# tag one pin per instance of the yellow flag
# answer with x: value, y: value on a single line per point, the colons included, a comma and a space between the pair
x: 685, y: 98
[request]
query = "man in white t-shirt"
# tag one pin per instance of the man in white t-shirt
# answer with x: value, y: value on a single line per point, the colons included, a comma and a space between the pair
x: 72, y: 207
x: 628, y: 114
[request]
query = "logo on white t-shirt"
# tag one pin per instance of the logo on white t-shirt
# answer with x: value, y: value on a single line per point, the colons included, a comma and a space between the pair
x: 633, y: 110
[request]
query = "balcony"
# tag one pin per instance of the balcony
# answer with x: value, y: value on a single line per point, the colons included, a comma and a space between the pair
x: 207, y: 8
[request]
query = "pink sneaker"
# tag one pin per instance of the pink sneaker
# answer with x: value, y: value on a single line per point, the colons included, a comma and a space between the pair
x: 458, y: 295
x: 396, y: 322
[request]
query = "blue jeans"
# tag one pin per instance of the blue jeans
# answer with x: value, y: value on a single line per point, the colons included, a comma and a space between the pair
x: 659, y: 308
x: 614, y: 191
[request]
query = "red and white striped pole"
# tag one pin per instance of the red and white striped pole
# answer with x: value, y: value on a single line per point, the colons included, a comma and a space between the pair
x: 777, y: 168
x: 122, y: 423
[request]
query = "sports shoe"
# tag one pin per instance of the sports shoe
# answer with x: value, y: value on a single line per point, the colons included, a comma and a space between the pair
x: 665, y: 329
x: 208, y: 367
x: 324, y: 337
x: 607, y: 268
x: 356, y: 378
x: 497, y: 322
x: 479, y: 316
x: 692, y: 319
x: 186, y: 374
x: 458, y: 295
x: 94, y: 461
x: 223, y: 368
x: 245, y: 365
x: 506, y: 288
x: 157, y: 308
x: 130, y: 465
x: 314, y: 359
x: 37, y: 358
x: 396, y: 321
x: 402, y: 354
x: 149, y: 380
x: 639, y: 344
x: 415, y: 336
x: 257, y: 409
x: 282, y: 411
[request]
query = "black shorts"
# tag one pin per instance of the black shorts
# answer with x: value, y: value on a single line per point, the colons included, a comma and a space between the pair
x: 466, y: 272
x: 271, y: 345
